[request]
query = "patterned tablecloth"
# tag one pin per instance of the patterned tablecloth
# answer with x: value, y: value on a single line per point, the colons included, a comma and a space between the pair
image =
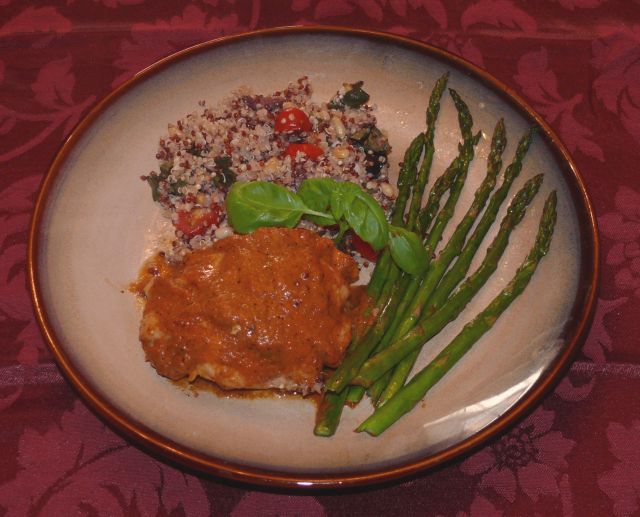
x: 576, y: 61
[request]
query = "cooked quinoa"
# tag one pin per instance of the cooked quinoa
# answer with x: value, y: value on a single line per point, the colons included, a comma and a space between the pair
x: 283, y: 137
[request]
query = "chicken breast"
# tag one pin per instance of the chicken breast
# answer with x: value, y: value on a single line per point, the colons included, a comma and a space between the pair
x: 265, y: 310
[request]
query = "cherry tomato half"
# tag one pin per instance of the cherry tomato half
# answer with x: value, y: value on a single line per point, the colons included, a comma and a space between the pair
x: 312, y: 151
x: 364, y: 248
x: 197, y: 220
x: 291, y: 120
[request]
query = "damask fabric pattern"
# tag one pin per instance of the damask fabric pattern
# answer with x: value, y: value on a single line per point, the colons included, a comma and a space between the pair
x: 576, y: 61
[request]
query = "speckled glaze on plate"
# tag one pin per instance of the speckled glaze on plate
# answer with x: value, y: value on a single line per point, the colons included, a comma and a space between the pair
x: 95, y: 223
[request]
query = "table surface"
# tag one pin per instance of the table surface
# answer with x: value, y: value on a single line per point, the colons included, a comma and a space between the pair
x: 576, y: 61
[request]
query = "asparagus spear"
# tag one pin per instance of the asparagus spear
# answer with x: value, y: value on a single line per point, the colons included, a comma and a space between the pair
x: 460, y: 166
x: 380, y: 287
x: 329, y: 412
x: 450, y: 251
x: 450, y: 178
x: 407, y: 177
x: 414, y: 391
x: 463, y: 160
x: 461, y: 266
x: 352, y: 362
x: 453, y: 178
x: 381, y: 272
x: 355, y: 359
x: 457, y: 171
x: 412, y: 286
x: 427, y: 327
x: 440, y: 187
x: 433, y: 110
x: 453, y: 247
x: 386, y: 273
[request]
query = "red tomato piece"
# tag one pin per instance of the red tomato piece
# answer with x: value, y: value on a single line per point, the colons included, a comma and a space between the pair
x: 291, y: 120
x: 197, y: 220
x: 311, y: 150
x: 364, y: 248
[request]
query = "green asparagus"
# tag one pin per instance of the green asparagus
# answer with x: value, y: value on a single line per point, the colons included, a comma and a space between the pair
x: 427, y: 327
x: 414, y: 391
x: 446, y: 256
x: 462, y: 264
x: 429, y: 149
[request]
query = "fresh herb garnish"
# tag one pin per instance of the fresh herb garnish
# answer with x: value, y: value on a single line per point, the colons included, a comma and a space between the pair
x: 255, y: 204
x: 325, y: 202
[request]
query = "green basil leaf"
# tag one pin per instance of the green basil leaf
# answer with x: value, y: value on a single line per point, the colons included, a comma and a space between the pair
x: 368, y: 220
x: 260, y: 203
x: 362, y: 212
x: 316, y: 194
x: 407, y: 250
x: 342, y: 196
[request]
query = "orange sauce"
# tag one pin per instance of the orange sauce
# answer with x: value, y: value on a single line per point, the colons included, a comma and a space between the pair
x: 275, y: 304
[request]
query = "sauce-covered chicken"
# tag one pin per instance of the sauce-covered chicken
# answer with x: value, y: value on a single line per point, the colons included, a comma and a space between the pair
x: 265, y: 310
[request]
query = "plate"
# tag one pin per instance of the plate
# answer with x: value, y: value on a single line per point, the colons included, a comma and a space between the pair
x: 95, y: 223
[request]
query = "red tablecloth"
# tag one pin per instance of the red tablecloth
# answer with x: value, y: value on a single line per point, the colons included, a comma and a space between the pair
x: 576, y: 61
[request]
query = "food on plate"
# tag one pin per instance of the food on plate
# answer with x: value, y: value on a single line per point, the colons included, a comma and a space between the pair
x: 265, y: 310
x: 412, y: 307
x: 320, y: 176
x: 284, y: 137
x: 407, y: 396
x: 326, y: 202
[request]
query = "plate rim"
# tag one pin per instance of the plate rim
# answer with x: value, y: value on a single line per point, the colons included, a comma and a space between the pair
x: 584, y: 302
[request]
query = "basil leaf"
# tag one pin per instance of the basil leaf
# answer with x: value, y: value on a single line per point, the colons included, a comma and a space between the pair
x: 362, y: 212
x: 316, y: 194
x: 259, y: 203
x: 342, y: 196
x: 367, y: 219
x: 407, y: 250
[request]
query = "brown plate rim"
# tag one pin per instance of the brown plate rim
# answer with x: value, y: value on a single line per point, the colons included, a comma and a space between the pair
x: 576, y: 330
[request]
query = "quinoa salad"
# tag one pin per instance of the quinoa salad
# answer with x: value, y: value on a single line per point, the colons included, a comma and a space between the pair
x: 283, y: 137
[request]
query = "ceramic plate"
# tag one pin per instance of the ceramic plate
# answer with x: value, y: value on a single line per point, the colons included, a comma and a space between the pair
x: 95, y: 224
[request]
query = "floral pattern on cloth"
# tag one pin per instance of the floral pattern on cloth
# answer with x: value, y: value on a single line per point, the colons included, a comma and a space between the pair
x: 529, y: 459
x: 623, y: 228
x: 90, y: 470
x: 576, y: 61
x: 622, y: 483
